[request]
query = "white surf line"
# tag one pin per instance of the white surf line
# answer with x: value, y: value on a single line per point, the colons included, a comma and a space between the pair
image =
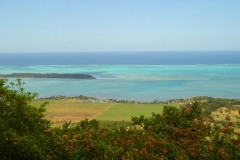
x: 104, y: 110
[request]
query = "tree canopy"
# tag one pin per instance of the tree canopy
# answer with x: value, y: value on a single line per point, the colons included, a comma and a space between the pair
x: 174, y: 134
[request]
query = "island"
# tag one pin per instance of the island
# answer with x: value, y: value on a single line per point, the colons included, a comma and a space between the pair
x: 47, y: 75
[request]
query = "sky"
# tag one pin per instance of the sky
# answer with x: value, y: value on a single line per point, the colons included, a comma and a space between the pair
x: 118, y: 25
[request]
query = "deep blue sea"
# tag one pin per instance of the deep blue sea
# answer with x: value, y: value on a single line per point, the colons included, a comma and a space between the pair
x: 140, y: 76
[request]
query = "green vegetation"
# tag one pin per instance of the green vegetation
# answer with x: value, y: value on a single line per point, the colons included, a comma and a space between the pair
x: 121, y: 111
x: 64, y: 110
x: 47, y: 75
x: 114, y: 124
x: 21, y: 125
x: 172, y: 134
x: 212, y: 104
x: 61, y: 110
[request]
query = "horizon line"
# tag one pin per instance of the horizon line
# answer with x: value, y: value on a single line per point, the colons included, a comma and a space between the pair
x: 121, y: 51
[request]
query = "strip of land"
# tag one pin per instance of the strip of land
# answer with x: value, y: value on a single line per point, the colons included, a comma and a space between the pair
x: 78, y: 108
x: 47, y: 75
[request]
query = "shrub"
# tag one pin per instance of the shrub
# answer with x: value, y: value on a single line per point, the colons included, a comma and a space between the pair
x: 174, y: 134
x: 21, y: 124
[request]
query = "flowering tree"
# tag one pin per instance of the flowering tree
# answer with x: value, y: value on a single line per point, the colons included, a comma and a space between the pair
x: 174, y: 134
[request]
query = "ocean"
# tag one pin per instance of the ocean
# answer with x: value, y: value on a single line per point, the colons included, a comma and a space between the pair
x: 139, y: 76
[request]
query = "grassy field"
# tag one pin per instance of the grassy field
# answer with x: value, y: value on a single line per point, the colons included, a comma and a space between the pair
x: 60, y: 111
x: 122, y: 111
x: 223, y: 112
x: 72, y: 109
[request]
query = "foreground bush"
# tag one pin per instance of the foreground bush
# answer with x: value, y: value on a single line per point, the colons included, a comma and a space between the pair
x: 21, y: 125
x: 174, y: 134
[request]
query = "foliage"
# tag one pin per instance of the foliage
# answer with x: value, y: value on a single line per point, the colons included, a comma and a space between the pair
x: 210, y: 104
x: 114, y: 124
x: 21, y: 124
x: 174, y: 134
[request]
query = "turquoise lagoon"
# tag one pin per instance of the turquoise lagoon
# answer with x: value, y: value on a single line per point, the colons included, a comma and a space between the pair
x: 143, y: 83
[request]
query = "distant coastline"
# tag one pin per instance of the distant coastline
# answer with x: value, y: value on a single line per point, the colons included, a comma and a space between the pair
x: 47, y: 75
x: 224, y: 102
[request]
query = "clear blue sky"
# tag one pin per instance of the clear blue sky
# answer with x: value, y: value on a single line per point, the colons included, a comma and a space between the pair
x: 118, y: 25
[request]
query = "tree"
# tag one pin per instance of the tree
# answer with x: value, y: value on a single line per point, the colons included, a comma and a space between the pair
x: 21, y: 124
x: 174, y: 134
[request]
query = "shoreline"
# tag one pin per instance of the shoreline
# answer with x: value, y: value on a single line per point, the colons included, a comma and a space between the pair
x: 110, y: 100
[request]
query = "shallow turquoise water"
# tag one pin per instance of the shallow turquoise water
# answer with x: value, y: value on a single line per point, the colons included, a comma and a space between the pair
x: 135, y: 82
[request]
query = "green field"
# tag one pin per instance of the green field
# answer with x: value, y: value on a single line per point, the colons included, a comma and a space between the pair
x: 72, y: 109
x: 122, y: 111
